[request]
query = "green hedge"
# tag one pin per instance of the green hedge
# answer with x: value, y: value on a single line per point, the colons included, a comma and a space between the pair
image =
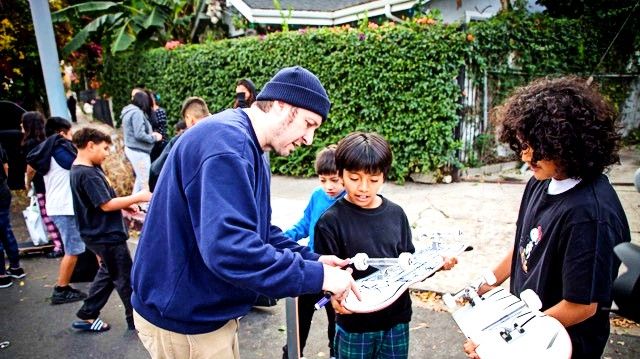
x: 399, y: 81
x: 540, y: 45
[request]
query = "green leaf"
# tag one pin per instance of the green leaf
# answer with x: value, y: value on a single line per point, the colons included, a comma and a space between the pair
x: 81, y: 37
x: 156, y: 18
x: 76, y: 10
x: 122, y: 39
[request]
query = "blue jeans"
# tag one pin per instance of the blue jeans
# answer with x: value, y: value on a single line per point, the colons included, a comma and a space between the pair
x: 8, y: 242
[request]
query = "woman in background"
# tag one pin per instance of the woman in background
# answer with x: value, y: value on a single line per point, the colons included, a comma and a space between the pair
x: 139, y: 138
x: 245, y: 94
x: 158, y: 121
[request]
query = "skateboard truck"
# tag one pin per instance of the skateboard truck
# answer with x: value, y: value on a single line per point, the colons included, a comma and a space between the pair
x: 470, y: 292
x: 362, y: 261
x: 531, y: 299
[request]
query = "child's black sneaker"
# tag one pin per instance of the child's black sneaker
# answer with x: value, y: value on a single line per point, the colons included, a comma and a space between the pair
x: 5, y: 282
x: 16, y: 273
x: 66, y: 294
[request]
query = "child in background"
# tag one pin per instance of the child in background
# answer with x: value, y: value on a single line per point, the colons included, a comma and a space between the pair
x: 52, y: 160
x: 32, y: 123
x: 329, y: 191
x: 8, y: 241
x: 570, y: 216
x: 365, y: 222
x: 181, y: 126
x: 102, y: 228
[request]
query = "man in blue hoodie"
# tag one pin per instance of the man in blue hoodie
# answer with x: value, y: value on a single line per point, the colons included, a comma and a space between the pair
x: 208, y: 248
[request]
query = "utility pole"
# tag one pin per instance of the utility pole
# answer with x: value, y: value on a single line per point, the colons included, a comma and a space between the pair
x: 49, y: 58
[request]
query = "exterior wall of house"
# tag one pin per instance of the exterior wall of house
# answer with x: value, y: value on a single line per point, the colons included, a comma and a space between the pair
x: 488, y: 8
x: 630, y: 111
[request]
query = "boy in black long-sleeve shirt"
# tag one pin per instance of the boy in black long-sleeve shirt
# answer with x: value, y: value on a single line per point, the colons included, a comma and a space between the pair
x: 365, y: 222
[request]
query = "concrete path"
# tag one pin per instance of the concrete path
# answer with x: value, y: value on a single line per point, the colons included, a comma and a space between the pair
x: 37, y: 329
x: 484, y: 211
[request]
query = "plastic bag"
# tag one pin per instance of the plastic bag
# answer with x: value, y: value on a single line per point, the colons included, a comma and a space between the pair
x: 35, y: 225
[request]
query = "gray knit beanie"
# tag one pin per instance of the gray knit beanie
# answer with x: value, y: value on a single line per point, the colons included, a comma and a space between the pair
x: 298, y: 87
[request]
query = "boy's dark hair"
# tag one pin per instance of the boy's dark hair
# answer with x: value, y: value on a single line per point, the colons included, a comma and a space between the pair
x: 82, y: 137
x: 181, y: 125
x: 56, y: 124
x: 326, y: 161
x: 564, y: 120
x: 360, y: 151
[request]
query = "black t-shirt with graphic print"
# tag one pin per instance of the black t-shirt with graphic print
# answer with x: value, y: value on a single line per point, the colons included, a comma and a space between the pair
x: 90, y: 189
x: 564, y: 250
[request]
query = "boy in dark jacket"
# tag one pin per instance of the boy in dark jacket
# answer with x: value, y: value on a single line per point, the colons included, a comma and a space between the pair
x: 52, y: 160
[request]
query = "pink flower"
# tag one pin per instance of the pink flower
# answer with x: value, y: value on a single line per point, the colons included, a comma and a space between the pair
x: 170, y: 45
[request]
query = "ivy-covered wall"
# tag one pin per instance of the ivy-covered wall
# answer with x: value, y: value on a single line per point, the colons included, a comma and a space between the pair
x: 399, y: 81
x: 516, y: 47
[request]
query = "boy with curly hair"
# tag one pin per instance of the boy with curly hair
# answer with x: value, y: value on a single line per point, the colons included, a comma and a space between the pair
x: 570, y: 217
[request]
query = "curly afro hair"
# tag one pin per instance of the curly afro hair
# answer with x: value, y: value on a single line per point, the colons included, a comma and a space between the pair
x: 564, y: 120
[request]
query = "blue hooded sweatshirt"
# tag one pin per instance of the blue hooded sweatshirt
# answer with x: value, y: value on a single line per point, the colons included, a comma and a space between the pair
x: 207, y: 246
x: 318, y: 204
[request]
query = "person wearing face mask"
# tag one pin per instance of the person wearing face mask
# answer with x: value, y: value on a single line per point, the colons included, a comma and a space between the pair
x: 245, y: 94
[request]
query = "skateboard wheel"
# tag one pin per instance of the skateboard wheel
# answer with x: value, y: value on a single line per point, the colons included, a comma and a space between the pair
x: 531, y: 299
x: 449, y: 301
x: 405, y: 260
x: 360, y: 261
x: 490, y: 278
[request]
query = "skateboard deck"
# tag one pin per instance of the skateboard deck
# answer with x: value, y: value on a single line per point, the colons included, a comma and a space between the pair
x: 381, y: 288
x: 27, y: 248
x: 505, y: 326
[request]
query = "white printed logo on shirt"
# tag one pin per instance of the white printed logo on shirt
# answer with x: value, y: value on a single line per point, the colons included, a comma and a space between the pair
x: 535, y: 236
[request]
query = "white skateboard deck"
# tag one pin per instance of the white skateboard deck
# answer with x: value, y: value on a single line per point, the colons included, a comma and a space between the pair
x: 504, y: 326
x: 383, y: 287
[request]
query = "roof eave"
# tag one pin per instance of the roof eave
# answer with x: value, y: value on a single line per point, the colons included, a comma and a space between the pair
x: 321, y: 18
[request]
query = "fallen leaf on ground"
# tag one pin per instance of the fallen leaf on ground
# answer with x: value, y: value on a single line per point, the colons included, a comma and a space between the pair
x: 621, y: 322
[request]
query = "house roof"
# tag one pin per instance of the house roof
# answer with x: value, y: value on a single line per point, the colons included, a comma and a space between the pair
x: 317, y: 13
x: 308, y: 5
